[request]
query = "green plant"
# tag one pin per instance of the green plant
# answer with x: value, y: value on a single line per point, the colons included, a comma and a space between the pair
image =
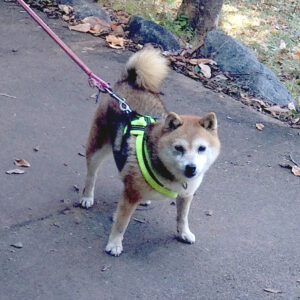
x: 179, y: 26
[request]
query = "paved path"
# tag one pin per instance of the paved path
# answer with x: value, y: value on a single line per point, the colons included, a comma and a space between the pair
x: 251, y: 241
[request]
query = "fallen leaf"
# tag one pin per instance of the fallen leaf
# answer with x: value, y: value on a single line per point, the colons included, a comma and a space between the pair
x: 259, y: 126
x: 254, y: 7
x: 97, y: 25
x: 295, y: 121
x: 95, y: 29
x: 209, y: 212
x: 15, y: 171
x: 258, y: 102
x: 65, y: 8
x: 76, y: 188
x: 296, y: 55
x: 105, y: 268
x: 296, y: 170
x: 115, y: 42
x: 277, y: 110
x: 17, y: 245
x: 66, y: 18
x: 272, y: 291
x: 81, y: 27
x: 197, y: 61
x: 205, y: 70
x: 22, y: 163
x: 193, y: 75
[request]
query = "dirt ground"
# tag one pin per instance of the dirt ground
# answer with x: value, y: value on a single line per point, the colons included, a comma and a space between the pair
x: 249, y: 243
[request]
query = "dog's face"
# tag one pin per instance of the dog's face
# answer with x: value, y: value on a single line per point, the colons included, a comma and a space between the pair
x: 189, y: 145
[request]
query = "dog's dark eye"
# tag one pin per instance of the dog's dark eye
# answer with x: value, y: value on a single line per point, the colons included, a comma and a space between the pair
x: 179, y: 149
x: 201, y: 148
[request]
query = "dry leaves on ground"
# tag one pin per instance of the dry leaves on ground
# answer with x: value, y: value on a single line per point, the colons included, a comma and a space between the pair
x: 205, y: 70
x: 81, y: 27
x: 209, y: 212
x: 115, y: 42
x: 296, y: 170
x: 22, y: 163
x: 15, y: 171
x: 93, y: 25
x: 67, y: 9
x: 277, y: 110
x: 296, y: 55
x: 259, y: 126
x: 197, y: 61
x: 105, y: 268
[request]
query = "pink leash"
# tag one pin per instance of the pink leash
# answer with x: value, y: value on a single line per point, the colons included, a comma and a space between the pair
x: 94, y: 80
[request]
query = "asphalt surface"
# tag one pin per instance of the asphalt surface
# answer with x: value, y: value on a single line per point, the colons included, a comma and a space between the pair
x: 251, y: 242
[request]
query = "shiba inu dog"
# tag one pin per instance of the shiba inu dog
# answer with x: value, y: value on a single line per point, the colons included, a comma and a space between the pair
x: 162, y: 156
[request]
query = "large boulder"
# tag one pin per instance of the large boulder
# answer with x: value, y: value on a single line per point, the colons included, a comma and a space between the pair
x: 143, y: 31
x: 236, y: 59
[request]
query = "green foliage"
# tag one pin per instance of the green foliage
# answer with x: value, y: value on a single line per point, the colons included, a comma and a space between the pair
x: 179, y: 26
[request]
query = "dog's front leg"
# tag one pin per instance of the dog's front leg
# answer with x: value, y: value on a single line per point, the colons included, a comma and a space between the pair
x: 183, y: 206
x: 121, y: 219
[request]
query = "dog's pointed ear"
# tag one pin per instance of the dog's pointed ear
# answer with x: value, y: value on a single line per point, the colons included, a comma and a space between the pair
x: 209, y: 122
x: 173, y: 121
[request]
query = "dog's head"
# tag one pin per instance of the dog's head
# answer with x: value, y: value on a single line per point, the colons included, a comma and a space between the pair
x: 188, y: 145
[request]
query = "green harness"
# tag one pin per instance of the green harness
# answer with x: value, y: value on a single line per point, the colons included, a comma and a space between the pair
x: 137, y: 128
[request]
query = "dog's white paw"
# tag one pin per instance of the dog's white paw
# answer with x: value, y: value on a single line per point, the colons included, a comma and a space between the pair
x: 87, y: 202
x: 187, y: 237
x: 114, y: 249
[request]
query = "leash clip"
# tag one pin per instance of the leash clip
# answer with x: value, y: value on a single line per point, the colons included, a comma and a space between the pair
x: 122, y: 101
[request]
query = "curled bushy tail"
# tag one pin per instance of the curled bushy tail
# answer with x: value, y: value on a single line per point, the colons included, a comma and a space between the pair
x: 146, y: 69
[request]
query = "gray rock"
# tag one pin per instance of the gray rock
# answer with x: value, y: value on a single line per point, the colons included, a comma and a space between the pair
x: 236, y: 59
x: 144, y: 31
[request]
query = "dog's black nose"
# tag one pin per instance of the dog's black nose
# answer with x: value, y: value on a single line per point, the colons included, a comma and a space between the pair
x: 190, y: 170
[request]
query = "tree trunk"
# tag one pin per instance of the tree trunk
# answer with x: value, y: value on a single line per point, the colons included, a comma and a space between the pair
x: 202, y: 15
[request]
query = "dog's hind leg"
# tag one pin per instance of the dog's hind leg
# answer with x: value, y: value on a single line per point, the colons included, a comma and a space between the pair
x: 93, y: 162
x: 97, y: 149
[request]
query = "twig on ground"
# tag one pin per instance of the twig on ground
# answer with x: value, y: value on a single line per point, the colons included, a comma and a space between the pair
x: 139, y: 221
x: 8, y: 96
x: 194, y: 49
x: 292, y: 160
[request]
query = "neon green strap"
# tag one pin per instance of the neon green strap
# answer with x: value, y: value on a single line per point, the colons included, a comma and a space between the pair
x: 139, y: 132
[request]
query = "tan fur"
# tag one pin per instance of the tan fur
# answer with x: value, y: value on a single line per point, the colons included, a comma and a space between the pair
x: 145, y: 71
